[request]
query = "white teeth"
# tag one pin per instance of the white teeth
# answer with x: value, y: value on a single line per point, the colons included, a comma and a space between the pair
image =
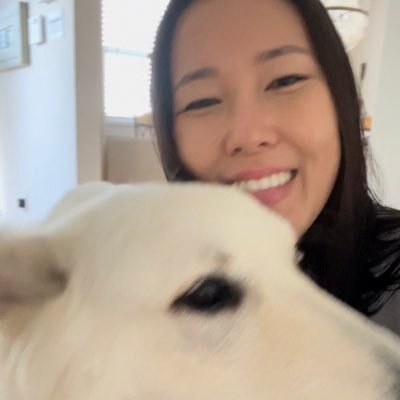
x: 265, y: 183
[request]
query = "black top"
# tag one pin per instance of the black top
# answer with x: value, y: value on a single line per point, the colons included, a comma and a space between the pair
x: 389, y: 315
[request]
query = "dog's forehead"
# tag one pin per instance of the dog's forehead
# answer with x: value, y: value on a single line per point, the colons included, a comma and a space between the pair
x: 190, y: 215
x: 193, y: 229
x: 172, y: 235
x: 193, y: 207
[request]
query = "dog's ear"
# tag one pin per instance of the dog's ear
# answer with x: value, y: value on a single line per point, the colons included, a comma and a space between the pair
x: 28, y: 270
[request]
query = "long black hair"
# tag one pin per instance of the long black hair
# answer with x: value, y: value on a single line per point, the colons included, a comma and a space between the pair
x: 353, y: 248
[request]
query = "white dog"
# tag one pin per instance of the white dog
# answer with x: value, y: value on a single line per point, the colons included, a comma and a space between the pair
x: 176, y: 292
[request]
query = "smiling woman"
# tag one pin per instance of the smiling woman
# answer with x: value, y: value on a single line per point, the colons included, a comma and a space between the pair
x: 251, y: 112
x: 260, y: 94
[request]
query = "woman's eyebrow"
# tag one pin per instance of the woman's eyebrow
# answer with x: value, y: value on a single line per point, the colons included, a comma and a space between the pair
x: 266, y: 55
x: 202, y: 73
x: 270, y: 54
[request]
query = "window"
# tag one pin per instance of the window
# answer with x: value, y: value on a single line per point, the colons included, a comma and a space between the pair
x: 129, y: 28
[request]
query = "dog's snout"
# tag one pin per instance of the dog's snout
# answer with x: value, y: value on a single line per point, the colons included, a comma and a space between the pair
x: 210, y: 294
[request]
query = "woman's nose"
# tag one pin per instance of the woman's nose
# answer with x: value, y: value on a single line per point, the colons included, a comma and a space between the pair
x: 250, y: 130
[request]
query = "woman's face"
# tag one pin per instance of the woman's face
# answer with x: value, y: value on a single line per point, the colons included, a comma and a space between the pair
x: 252, y: 107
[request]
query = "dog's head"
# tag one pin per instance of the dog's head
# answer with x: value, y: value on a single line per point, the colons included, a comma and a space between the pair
x: 171, y: 292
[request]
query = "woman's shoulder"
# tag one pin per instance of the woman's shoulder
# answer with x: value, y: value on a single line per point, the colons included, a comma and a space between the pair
x: 383, y: 259
x: 389, y: 315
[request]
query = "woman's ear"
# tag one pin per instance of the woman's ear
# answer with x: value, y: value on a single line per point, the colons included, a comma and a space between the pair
x: 28, y: 270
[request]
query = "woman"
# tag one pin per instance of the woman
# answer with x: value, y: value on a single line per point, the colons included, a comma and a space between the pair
x: 260, y: 93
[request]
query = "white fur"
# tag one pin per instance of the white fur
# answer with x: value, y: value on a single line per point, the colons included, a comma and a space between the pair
x: 106, y: 332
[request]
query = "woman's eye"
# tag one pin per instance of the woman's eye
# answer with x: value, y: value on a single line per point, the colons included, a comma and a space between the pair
x: 286, y: 81
x: 202, y: 103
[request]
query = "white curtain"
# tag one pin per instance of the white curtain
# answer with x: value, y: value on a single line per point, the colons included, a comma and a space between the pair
x: 129, y: 28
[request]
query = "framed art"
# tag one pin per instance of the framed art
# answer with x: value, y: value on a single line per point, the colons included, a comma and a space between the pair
x: 14, y: 49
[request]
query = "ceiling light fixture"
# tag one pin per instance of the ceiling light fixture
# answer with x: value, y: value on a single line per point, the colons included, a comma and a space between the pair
x: 350, y: 20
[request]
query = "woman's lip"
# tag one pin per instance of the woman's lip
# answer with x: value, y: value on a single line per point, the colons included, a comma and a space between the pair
x: 272, y: 196
x: 258, y: 174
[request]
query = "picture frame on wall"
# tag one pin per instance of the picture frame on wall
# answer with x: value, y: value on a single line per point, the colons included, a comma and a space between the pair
x: 14, y: 48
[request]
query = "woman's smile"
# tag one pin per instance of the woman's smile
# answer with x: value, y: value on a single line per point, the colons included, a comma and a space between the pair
x: 269, y: 189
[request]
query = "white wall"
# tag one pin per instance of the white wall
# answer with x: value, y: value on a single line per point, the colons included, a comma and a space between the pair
x: 50, y: 113
x: 89, y: 90
x: 381, y: 51
x: 370, y: 51
x: 385, y: 138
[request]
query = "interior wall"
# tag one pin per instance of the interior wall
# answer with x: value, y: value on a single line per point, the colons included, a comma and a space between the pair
x: 37, y: 122
x: 130, y: 159
x: 89, y: 90
x: 380, y: 50
x: 371, y: 52
x: 385, y: 137
x: 50, y: 113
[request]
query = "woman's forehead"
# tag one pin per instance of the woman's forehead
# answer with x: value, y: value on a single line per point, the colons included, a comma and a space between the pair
x: 210, y: 30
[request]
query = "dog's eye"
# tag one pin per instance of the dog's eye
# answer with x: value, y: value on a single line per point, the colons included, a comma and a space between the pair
x: 210, y: 295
